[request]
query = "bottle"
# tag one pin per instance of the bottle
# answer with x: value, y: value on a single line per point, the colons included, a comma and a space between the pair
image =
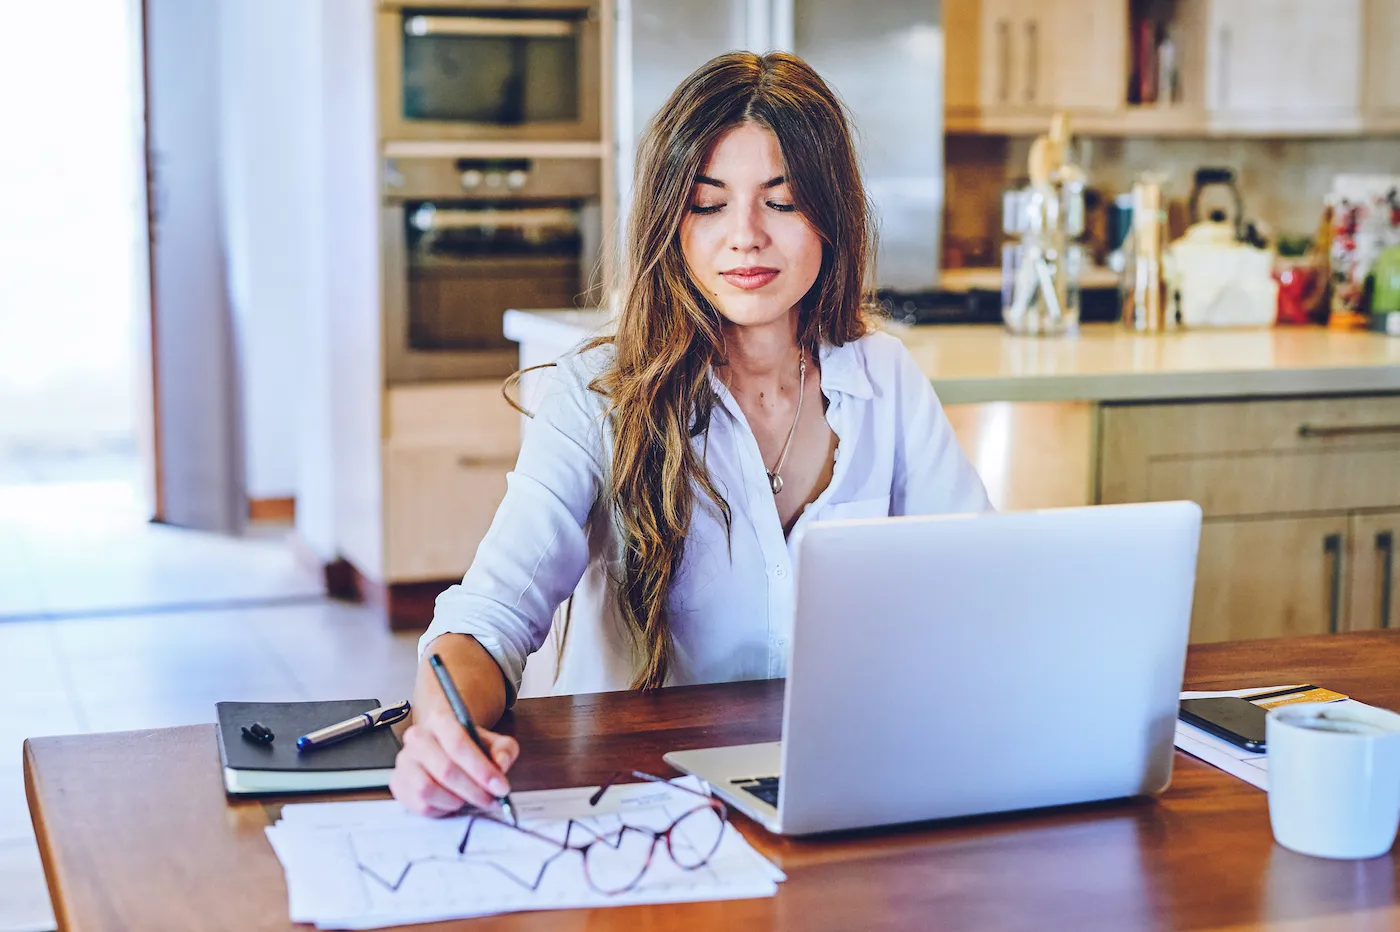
x: 1383, y: 285
x: 1144, y: 292
x: 1168, y: 73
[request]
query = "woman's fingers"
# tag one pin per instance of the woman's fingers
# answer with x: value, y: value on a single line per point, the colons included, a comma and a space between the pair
x: 504, y: 749
x: 457, y: 769
x: 418, y: 792
x: 424, y: 751
x: 440, y: 768
x: 464, y: 753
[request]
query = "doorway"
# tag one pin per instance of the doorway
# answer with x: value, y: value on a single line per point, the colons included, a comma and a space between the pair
x: 88, y: 273
x: 72, y: 253
x: 74, y: 360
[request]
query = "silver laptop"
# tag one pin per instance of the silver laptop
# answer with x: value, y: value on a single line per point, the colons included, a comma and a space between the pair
x: 959, y: 665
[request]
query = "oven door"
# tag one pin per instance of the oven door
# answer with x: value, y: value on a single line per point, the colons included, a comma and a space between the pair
x: 452, y: 270
x: 476, y: 71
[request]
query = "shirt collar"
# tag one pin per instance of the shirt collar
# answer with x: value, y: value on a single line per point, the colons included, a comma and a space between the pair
x: 726, y: 400
x: 843, y: 370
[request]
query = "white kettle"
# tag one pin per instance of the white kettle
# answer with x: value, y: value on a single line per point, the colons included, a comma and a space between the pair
x: 1214, y: 280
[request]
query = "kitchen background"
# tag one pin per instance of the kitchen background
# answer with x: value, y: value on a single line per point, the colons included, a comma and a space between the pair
x: 346, y: 196
x: 496, y: 146
x: 1283, y: 181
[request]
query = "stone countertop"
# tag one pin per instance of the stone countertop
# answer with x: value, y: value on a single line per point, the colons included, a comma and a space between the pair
x: 978, y: 363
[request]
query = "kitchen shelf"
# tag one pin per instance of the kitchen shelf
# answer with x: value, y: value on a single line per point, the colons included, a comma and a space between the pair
x: 1246, y: 67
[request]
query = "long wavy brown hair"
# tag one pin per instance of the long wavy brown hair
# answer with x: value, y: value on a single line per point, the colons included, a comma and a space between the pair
x: 669, y: 335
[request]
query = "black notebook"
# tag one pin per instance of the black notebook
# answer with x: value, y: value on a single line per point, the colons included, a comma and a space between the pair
x: 362, y: 762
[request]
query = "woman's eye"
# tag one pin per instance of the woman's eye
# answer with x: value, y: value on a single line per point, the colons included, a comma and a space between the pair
x: 711, y: 209
x: 785, y: 208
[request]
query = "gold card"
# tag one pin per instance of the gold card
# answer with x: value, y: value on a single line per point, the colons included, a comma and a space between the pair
x: 1311, y: 694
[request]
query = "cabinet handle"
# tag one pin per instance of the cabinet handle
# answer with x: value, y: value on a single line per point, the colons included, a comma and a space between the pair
x: 1332, y: 546
x: 1032, y: 59
x: 1385, y: 546
x: 486, y: 26
x: 1003, y: 60
x: 1222, y: 87
x: 1358, y: 430
x: 473, y: 462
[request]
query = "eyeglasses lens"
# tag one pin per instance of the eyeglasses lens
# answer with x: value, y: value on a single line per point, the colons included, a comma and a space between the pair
x: 615, y: 863
x: 696, y: 837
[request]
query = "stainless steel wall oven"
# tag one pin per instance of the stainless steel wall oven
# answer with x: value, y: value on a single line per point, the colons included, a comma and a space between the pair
x: 466, y: 239
x: 508, y: 70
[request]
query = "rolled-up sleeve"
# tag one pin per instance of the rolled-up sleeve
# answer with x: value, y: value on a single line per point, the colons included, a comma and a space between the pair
x: 536, y: 550
x: 932, y: 475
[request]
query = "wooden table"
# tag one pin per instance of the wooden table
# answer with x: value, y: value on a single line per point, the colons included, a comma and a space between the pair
x: 135, y: 831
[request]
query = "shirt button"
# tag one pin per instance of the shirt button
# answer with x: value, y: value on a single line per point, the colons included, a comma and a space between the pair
x: 780, y: 572
x: 782, y: 642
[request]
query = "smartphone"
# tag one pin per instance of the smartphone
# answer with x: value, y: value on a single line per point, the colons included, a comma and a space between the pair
x: 1238, y: 721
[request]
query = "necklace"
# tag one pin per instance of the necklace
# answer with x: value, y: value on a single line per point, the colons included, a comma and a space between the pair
x: 775, y: 481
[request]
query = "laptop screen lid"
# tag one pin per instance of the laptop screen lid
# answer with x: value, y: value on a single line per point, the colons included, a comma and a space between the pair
x: 957, y: 665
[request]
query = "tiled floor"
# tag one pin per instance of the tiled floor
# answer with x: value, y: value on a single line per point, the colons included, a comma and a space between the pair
x: 84, y: 548
x: 258, y: 632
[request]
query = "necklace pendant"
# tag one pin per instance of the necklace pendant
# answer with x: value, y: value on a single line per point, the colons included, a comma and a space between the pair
x: 775, y: 482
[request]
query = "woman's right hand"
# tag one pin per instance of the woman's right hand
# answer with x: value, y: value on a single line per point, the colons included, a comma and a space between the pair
x: 439, y: 769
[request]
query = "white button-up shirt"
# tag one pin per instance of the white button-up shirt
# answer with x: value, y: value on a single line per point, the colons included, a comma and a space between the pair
x: 731, y: 604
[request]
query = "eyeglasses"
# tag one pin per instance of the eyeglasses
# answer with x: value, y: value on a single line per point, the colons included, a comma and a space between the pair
x: 615, y: 861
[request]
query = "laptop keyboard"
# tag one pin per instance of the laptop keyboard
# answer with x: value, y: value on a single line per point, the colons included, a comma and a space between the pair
x: 765, y: 788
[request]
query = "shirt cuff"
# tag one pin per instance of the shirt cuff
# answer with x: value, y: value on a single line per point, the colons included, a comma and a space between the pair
x: 493, y: 647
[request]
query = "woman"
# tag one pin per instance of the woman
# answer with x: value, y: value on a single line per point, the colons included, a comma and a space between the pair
x: 667, y: 468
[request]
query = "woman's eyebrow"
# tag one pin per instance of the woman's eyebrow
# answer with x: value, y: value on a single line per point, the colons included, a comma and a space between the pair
x: 716, y: 183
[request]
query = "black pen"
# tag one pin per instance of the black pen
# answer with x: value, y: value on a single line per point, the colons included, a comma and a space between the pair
x: 464, y: 718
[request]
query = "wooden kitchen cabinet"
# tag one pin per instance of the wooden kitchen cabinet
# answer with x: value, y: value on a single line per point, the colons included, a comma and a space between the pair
x: 1381, y: 88
x: 1297, y: 494
x: 1270, y: 578
x: 1371, y: 555
x: 1284, y: 65
x: 1262, y: 457
x: 1012, y: 63
x: 438, y: 505
x: 1086, y: 68
x: 1247, y: 67
x: 447, y: 449
x: 998, y: 65
x: 1246, y: 64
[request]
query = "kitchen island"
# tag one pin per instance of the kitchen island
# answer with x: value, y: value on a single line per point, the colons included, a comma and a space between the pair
x: 1289, y: 438
x: 974, y: 363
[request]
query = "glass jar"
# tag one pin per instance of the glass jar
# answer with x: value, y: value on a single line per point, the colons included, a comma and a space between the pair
x: 1040, y: 262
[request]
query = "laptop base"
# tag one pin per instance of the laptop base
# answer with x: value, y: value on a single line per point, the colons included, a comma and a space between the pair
x: 727, y: 770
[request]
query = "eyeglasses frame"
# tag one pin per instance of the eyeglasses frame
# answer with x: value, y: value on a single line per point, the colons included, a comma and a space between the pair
x: 476, y: 815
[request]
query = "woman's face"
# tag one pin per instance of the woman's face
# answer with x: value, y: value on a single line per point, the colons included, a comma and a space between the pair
x: 742, y: 239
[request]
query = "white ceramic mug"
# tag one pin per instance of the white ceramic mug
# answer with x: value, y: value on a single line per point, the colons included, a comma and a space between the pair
x: 1334, y: 778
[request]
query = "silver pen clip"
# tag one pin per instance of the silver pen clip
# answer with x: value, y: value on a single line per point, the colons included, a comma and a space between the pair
x: 389, y: 714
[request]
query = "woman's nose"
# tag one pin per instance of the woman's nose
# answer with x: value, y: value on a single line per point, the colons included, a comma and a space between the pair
x: 746, y: 230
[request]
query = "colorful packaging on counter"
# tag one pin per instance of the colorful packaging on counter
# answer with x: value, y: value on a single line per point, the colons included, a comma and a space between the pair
x: 1365, y: 222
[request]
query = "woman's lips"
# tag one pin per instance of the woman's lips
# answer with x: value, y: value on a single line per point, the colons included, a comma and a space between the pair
x: 750, y: 278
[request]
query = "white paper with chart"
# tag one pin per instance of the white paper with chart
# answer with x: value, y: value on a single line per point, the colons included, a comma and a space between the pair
x: 361, y: 865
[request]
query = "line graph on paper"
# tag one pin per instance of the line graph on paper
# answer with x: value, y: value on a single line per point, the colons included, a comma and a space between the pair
x: 401, y: 867
x: 364, y: 864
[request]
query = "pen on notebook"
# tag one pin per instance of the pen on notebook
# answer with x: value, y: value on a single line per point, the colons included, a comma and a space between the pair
x: 464, y: 718
x: 384, y: 715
